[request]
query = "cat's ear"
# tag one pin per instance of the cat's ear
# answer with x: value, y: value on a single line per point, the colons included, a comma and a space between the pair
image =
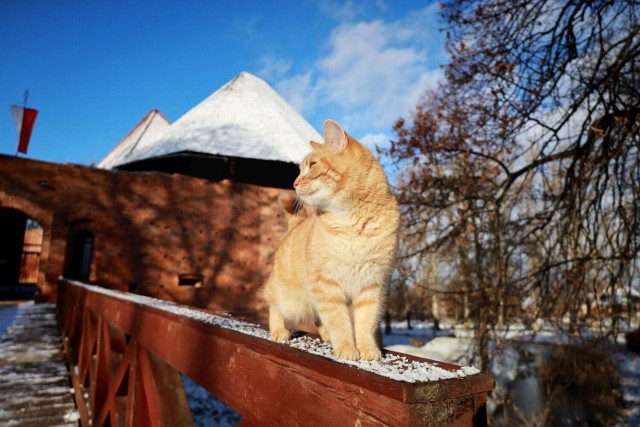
x: 334, y: 136
x: 315, y: 145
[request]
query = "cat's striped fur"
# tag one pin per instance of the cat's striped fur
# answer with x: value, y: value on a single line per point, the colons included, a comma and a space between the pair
x: 339, y: 252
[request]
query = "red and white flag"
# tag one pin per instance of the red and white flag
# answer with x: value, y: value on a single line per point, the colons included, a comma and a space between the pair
x: 25, y: 118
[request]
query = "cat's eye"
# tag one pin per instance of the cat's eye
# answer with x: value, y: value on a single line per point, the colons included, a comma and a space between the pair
x: 311, y: 164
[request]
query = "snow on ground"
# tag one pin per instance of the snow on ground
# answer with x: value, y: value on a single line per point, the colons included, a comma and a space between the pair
x: 506, y: 363
x: 7, y: 313
x: 446, y: 349
x: 33, y: 371
x: 206, y: 409
x: 629, y: 368
x: 18, y: 339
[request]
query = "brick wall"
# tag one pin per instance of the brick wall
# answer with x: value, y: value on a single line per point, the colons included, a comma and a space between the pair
x: 148, y: 228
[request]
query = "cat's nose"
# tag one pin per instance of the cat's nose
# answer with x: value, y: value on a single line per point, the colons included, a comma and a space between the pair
x: 295, y: 183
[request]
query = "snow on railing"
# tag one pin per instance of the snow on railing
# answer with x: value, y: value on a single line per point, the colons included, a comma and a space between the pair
x: 127, y: 347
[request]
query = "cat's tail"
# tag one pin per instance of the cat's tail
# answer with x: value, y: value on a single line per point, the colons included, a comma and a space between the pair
x: 294, y: 209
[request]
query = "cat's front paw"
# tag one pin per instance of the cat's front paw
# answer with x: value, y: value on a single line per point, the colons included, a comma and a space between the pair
x: 346, y: 352
x: 281, y: 334
x: 370, y: 353
x: 324, y: 334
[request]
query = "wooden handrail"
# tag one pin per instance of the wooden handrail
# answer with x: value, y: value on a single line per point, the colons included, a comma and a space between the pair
x: 126, y: 354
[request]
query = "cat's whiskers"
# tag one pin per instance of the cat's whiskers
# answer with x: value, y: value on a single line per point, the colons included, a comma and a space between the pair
x: 298, y: 205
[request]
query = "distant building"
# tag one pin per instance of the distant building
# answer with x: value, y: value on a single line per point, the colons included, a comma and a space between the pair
x: 146, y: 221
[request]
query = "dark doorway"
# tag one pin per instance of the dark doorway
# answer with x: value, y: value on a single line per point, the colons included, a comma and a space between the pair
x: 20, y: 246
x: 79, y: 255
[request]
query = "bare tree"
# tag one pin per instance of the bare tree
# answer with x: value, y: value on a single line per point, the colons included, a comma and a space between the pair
x: 522, y: 169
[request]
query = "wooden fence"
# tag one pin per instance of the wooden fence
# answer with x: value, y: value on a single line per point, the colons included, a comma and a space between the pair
x: 125, y: 358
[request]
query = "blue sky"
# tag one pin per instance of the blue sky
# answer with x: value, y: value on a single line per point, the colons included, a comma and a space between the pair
x: 95, y: 68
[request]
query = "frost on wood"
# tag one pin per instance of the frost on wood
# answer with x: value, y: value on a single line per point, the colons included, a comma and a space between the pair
x: 392, y: 366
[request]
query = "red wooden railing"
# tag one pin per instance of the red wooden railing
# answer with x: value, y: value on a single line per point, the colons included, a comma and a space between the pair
x: 125, y: 357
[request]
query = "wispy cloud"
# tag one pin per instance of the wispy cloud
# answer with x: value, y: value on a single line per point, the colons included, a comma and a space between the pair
x: 373, y: 140
x: 272, y: 67
x: 246, y: 29
x: 371, y: 73
x: 348, y: 10
x: 301, y: 91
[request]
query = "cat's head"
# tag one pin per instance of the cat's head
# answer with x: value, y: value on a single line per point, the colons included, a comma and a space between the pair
x: 334, y: 171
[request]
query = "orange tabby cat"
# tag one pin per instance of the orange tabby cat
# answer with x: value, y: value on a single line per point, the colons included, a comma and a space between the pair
x: 337, y: 255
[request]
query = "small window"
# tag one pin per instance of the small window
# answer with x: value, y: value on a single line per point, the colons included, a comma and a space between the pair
x: 190, y: 279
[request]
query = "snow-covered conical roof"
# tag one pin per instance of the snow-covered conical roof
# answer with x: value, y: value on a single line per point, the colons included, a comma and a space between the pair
x: 150, y: 128
x: 244, y: 118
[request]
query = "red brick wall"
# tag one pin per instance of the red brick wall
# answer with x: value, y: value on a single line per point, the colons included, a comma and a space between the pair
x: 150, y: 227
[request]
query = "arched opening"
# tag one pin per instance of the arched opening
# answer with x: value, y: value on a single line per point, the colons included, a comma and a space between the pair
x: 20, y: 250
x: 79, y: 255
